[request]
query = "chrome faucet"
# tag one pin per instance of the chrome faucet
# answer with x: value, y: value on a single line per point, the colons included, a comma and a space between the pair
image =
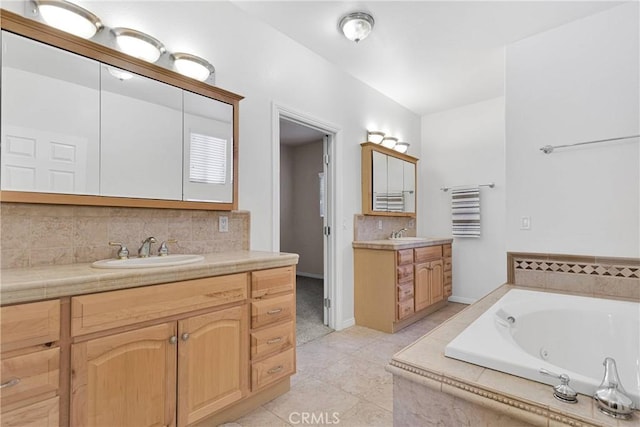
x: 163, y: 250
x: 397, y: 234
x: 145, y: 249
x: 611, y: 397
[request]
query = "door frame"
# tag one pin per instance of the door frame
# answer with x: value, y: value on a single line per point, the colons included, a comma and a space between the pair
x: 280, y: 111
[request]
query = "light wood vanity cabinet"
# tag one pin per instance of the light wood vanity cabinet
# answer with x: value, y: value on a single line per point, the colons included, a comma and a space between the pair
x: 30, y: 364
x: 129, y: 378
x: 273, y: 313
x: 394, y: 288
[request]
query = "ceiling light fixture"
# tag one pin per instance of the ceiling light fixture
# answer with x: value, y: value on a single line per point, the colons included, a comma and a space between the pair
x: 138, y: 44
x: 192, y: 66
x: 401, y: 147
x: 356, y: 26
x: 375, y: 136
x: 389, y: 141
x: 69, y: 17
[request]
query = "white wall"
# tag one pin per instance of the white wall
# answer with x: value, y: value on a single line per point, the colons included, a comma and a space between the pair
x: 578, y: 82
x: 265, y: 66
x: 460, y: 147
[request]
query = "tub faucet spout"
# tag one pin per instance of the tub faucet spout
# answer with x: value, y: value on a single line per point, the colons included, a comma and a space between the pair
x: 611, y: 397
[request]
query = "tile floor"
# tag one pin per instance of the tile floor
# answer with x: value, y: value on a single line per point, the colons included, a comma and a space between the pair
x: 341, y: 378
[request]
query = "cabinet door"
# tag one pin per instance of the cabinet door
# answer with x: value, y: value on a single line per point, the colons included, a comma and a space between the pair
x: 436, y: 281
x: 127, y: 379
x: 213, y: 365
x: 421, y: 293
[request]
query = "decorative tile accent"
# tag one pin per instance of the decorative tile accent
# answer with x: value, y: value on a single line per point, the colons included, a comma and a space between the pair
x: 629, y: 272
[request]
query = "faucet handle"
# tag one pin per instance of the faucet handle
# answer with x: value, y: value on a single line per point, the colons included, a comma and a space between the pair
x: 123, y: 252
x: 163, y: 250
x: 563, y: 391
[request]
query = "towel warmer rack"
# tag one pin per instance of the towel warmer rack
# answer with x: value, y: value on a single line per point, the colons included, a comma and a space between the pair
x: 548, y: 149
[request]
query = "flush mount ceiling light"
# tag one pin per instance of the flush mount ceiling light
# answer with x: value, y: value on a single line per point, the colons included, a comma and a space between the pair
x: 389, y: 141
x: 69, y: 17
x: 192, y: 66
x: 356, y: 26
x: 375, y: 136
x: 401, y: 147
x: 138, y: 44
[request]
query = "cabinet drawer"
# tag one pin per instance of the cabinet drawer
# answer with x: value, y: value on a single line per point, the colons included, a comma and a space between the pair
x: 405, y: 273
x: 405, y: 256
x: 447, y: 290
x: 272, y: 369
x: 271, y: 310
x: 405, y: 309
x: 274, y: 281
x: 447, y: 277
x: 272, y: 340
x: 29, y: 376
x: 446, y: 250
x: 26, y: 325
x: 40, y: 414
x: 427, y: 253
x: 97, y: 312
x: 405, y: 291
x: 447, y: 264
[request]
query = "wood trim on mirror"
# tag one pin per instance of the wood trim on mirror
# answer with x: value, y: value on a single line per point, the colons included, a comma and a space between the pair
x: 367, y: 178
x: 40, y: 32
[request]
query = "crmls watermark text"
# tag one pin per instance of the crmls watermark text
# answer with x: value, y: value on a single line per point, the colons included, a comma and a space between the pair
x: 296, y: 418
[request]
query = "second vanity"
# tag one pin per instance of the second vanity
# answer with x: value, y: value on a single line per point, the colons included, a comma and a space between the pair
x: 400, y: 281
x: 193, y: 344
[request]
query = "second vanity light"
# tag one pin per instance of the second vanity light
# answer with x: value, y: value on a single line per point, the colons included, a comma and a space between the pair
x: 73, y: 19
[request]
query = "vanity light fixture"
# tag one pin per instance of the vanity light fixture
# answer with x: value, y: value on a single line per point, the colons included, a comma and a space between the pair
x: 138, y: 44
x: 192, y: 66
x: 356, y: 26
x: 375, y: 136
x: 389, y: 141
x: 69, y: 17
x: 401, y: 147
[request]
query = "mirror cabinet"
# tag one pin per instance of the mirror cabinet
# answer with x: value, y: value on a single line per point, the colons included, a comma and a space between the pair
x: 85, y: 124
x: 388, y: 181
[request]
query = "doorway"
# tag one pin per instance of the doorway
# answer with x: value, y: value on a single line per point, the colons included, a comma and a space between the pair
x: 304, y: 221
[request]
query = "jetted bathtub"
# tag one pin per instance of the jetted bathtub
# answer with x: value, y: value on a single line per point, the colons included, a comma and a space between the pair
x: 528, y: 330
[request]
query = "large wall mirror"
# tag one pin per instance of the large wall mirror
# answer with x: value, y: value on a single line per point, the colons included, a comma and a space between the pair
x: 388, y: 181
x: 75, y: 131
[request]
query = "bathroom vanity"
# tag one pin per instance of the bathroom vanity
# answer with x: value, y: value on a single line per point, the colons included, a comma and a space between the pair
x: 167, y: 346
x: 399, y: 281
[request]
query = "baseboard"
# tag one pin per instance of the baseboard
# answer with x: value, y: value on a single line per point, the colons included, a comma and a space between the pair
x: 310, y: 275
x: 462, y: 300
x: 347, y: 324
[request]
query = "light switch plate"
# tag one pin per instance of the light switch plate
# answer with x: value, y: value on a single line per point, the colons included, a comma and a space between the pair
x: 525, y: 223
x: 223, y: 224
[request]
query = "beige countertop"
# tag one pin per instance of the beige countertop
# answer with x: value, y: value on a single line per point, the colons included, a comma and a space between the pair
x: 401, y: 243
x: 424, y: 362
x: 37, y: 283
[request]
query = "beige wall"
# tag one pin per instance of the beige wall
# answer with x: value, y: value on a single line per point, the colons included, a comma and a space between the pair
x: 34, y: 235
x: 300, y: 221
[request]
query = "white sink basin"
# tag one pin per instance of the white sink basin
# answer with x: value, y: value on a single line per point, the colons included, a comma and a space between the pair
x: 153, y: 261
x: 408, y: 239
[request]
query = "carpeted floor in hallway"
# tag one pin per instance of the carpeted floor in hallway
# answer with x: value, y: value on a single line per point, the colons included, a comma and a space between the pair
x: 309, y: 308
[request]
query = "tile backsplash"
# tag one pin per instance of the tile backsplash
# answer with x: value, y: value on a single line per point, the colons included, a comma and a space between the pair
x: 585, y: 275
x: 366, y: 227
x: 34, y: 234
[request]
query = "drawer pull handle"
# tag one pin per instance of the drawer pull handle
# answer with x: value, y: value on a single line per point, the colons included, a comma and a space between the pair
x: 274, y: 340
x: 275, y: 370
x: 10, y: 383
x: 274, y: 311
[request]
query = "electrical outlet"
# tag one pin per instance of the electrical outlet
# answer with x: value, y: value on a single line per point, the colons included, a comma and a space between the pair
x: 525, y: 223
x: 379, y: 224
x: 223, y: 224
